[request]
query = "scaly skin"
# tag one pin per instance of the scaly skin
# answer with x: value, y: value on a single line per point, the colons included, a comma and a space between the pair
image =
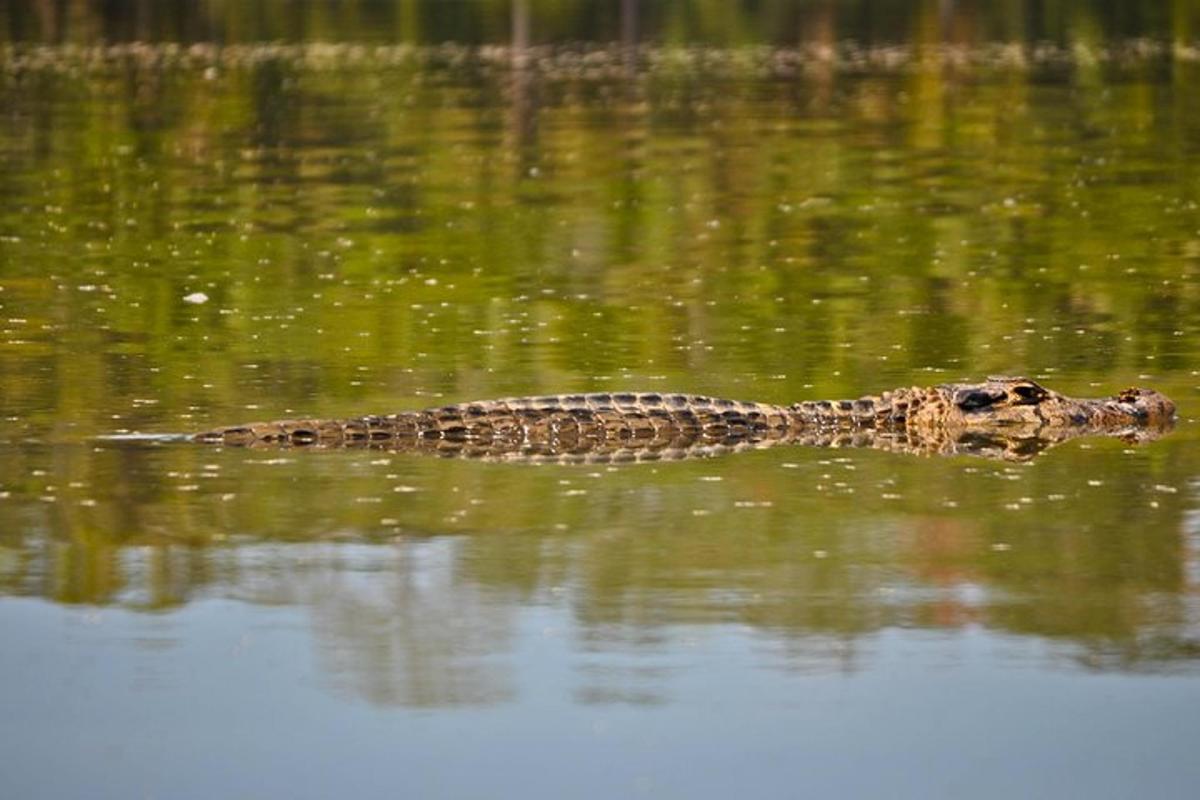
x: 1010, y: 418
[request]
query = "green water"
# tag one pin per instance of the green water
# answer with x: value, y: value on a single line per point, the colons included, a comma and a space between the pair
x: 373, y: 219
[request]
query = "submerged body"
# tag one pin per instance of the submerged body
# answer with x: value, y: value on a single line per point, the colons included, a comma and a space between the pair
x: 1002, y: 417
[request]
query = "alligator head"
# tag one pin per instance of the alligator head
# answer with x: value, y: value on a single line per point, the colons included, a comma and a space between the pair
x: 1023, y: 407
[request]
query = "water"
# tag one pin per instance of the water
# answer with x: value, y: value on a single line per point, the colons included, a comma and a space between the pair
x: 359, y: 218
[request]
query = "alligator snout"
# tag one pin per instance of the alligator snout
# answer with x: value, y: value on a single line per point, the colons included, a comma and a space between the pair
x: 1145, y: 405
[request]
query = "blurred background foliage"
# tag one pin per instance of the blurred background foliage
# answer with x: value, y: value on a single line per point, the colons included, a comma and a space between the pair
x: 689, y: 22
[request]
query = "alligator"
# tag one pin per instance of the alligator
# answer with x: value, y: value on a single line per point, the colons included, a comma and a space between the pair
x: 1002, y: 417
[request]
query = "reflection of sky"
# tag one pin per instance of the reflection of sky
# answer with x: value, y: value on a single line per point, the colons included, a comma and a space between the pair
x: 1191, y: 528
x: 224, y: 699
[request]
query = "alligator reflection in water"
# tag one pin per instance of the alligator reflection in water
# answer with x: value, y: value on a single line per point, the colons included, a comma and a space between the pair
x: 1007, y: 418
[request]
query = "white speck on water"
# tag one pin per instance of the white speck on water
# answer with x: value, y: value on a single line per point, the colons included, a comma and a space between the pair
x: 196, y: 298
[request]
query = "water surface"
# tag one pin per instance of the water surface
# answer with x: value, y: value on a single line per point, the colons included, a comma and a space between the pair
x: 197, y: 234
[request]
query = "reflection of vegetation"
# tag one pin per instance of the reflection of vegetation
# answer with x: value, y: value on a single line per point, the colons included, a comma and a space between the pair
x: 409, y: 631
x: 904, y: 221
x: 377, y: 227
x: 818, y: 550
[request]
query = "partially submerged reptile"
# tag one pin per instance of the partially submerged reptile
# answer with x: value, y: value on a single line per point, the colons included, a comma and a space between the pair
x: 1011, y: 418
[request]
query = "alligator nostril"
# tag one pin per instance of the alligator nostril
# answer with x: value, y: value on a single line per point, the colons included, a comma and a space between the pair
x: 1130, y: 395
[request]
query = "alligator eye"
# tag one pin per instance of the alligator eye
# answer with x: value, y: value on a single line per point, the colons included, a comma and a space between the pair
x: 1030, y: 393
x: 972, y: 399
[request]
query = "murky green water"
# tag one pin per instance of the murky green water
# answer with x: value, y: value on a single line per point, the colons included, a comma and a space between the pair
x: 194, y: 234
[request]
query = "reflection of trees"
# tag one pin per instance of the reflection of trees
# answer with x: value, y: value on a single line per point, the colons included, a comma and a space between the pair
x: 430, y: 621
x: 523, y: 95
x: 1060, y: 573
x: 408, y: 631
x: 843, y: 188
